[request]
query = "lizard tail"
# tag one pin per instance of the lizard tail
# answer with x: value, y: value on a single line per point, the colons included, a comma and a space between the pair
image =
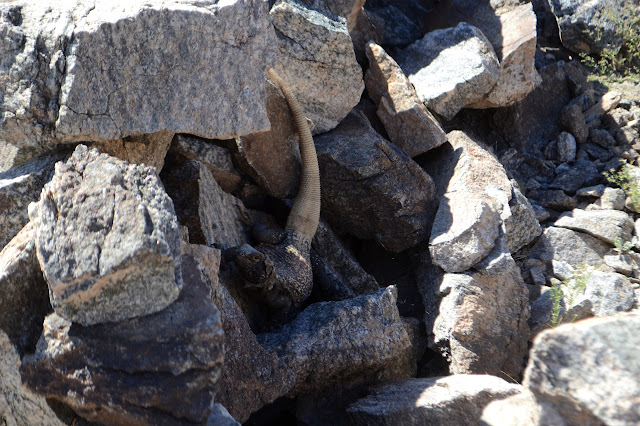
x: 305, y: 213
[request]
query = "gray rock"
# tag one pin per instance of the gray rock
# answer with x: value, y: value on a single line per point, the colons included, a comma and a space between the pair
x: 624, y: 264
x: 217, y: 159
x: 358, y: 337
x: 399, y: 30
x: 458, y: 399
x: 212, y: 216
x: 591, y: 191
x: 611, y: 199
x: 156, y: 369
x: 522, y: 226
x: 572, y: 119
x: 220, y: 417
x: 348, y: 9
x: 596, y: 151
x: 566, y: 147
x: 141, y: 149
x: 628, y: 135
x: 604, y: 104
x: 407, y: 121
x: 106, y: 239
x: 606, y: 225
x: 24, y: 299
x: 587, y: 371
x: 67, y: 63
x: 316, y: 60
x: 451, y: 68
x: 18, y: 405
x: 19, y: 187
x: 580, y: 21
x: 361, y: 172
x: 272, y: 158
x: 541, y: 213
x: 555, y: 199
x: 520, y: 409
x: 602, y: 137
x: 369, y: 27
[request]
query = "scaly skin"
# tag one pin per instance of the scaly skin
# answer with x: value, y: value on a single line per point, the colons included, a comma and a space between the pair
x: 282, y: 271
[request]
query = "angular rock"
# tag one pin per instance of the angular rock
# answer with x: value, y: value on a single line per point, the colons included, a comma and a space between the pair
x: 522, y: 226
x: 407, y: 121
x: 457, y: 399
x: 221, y: 417
x: 399, y: 29
x: 554, y: 199
x: 357, y: 336
x: 19, y: 187
x: 606, y: 225
x: 481, y: 323
x: 18, y: 405
x: 580, y: 21
x: 369, y: 27
x: 144, y: 149
x: 315, y: 58
x: 611, y: 199
x: 470, y: 213
x: 514, y: 40
x: 587, y: 371
x: 361, y: 172
x: 451, y: 68
x: 520, y: 409
x: 24, y: 298
x: 591, y: 191
x: 566, y: 147
x: 217, y: 159
x: 272, y: 158
x: 572, y: 119
x: 212, y: 216
x: 348, y: 9
x: 606, y: 103
x: 106, y: 239
x: 583, y: 173
x: 156, y: 369
x: 602, y: 137
x: 96, y: 71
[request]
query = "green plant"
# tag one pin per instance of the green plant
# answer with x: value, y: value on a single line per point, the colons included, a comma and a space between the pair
x: 620, y: 57
x: 625, y: 180
x: 568, y: 290
x: 624, y: 247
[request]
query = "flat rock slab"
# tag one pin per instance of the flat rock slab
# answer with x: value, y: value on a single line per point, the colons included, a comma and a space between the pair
x: 451, y: 68
x: 19, y: 187
x: 371, y: 189
x: 156, y: 369
x: 24, y: 297
x: 607, y: 225
x: 521, y: 226
x: 107, y: 239
x: 316, y: 60
x: 87, y: 70
x: 588, y: 371
x: 407, y: 121
x: 18, y: 405
x: 458, y: 399
x: 331, y: 341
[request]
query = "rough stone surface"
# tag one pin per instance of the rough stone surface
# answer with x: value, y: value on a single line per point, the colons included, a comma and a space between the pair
x: 451, y: 68
x: 469, y: 217
x: 24, y: 299
x: 19, y: 187
x: 18, y: 405
x: 220, y: 417
x: 57, y: 87
x: 348, y: 9
x: 520, y: 409
x: 156, y: 369
x: 212, y: 215
x: 588, y: 370
x: 144, y: 149
x: 399, y: 29
x: 361, y: 172
x: 555, y: 199
x: 106, y: 239
x: 514, y: 40
x: 606, y: 225
x: 317, y: 62
x: 480, y: 324
x: 458, y: 399
x: 566, y: 147
x: 611, y: 199
x: 381, y: 340
x: 522, y: 226
x: 602, y: 137
x: 407, y: 121
x: 272, y: 158
x: 572, y: 119
x: 606, y: 103
x: 583, y: 173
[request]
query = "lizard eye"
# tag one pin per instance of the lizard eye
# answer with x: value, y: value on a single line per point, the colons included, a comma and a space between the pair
x: 255, y: 258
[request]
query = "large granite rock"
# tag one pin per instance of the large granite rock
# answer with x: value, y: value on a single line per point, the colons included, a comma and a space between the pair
x: 588, y: 371
x: 19, y: 187
x: 475, y: 202
x: 106, y: 239
x: 361, y: 172
x: 24, y: 299
x: 348, y: 9
x: 520, y: 409
x: 521, y: 226
x: 18, y: 405
x: 607, y: 225
x: 330, y: 342
x: 87, y: 70
x: 451, y: 68
x: 156, y: 369
x: 407, y: 121
x: 316, y: 60
x: 458, y: 399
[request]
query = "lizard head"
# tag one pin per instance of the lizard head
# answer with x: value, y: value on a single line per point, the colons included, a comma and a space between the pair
x: 254, y: 267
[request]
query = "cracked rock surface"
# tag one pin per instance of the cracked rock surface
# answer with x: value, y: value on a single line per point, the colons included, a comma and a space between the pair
x: 107, y: 239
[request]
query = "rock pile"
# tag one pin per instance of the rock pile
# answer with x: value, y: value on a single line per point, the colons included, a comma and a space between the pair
x: 478, y: 191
